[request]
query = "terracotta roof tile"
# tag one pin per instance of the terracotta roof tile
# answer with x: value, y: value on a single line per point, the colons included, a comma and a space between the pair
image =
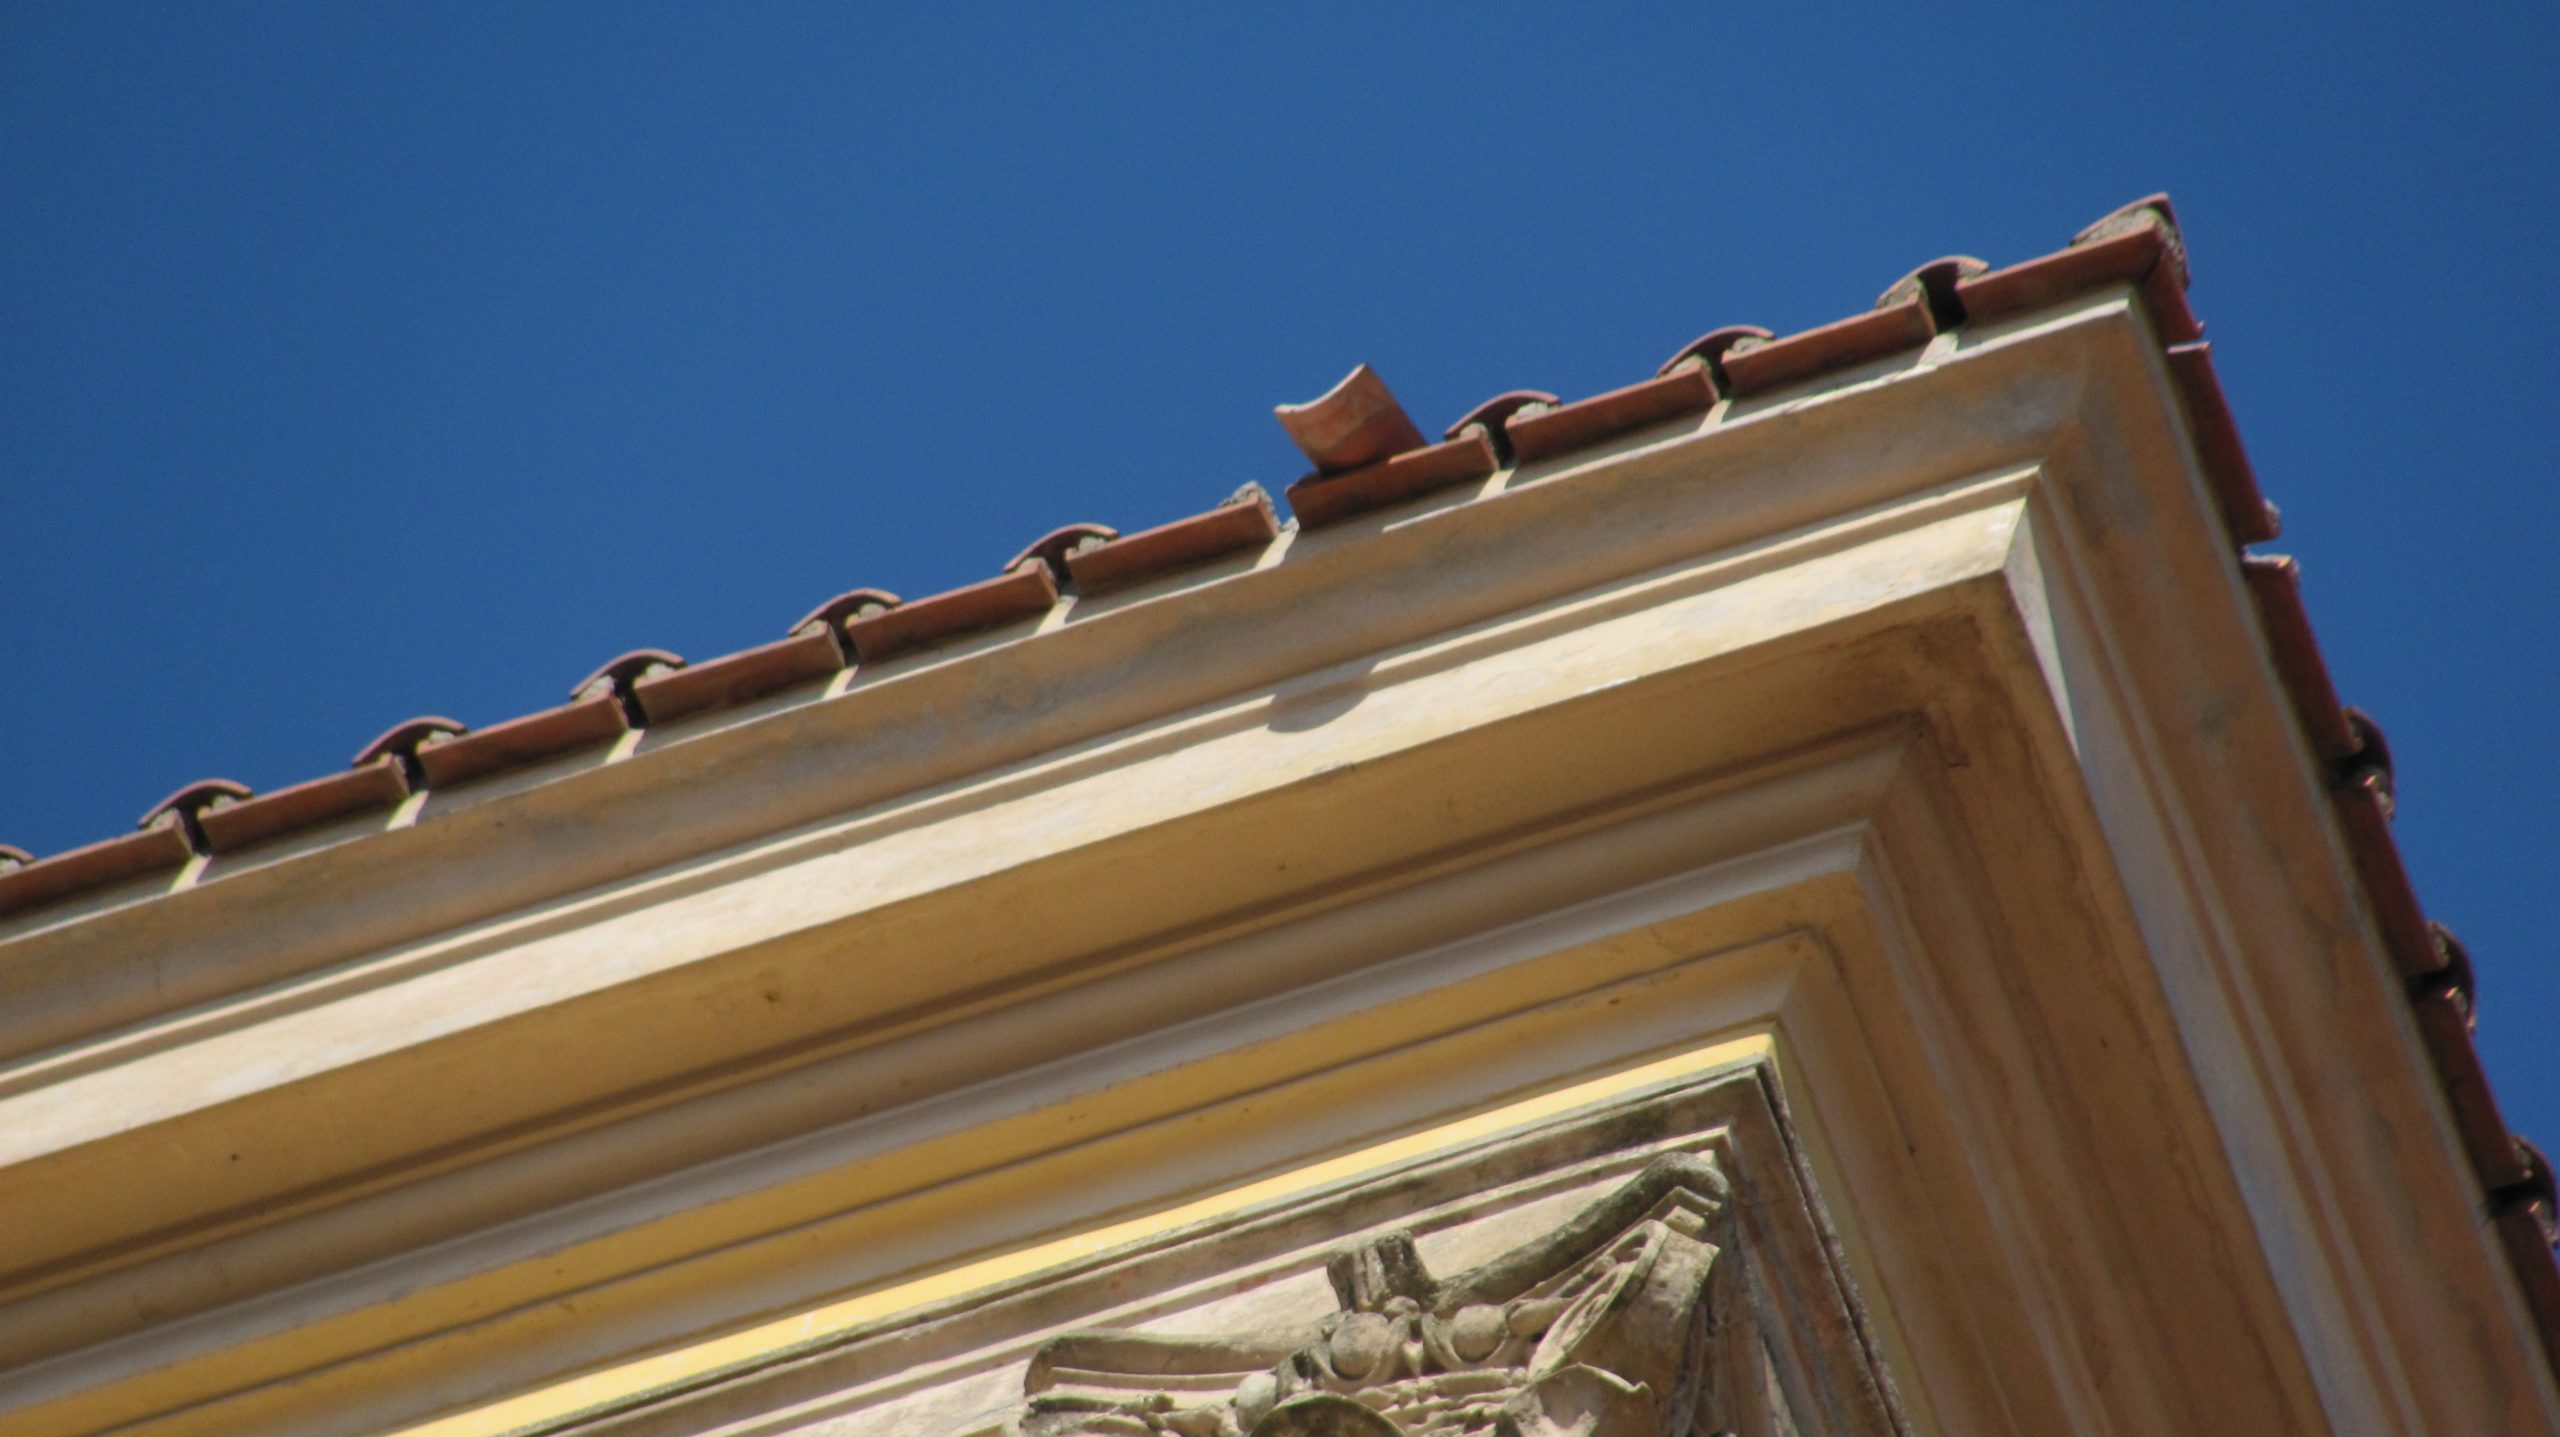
x: 1245, y: 521
x: 13, y: 858
x: 831, y: 616
x: 1322, y: 499
x: 2275, y: 583
x: 2245, y: 511
x: 1490, y: 417
x: 402, y: 739
x: 2138, y: 245
x: 1757, y: 366
x: 1052, y: 548
x: 115, y: 860
x: 1710, y: 348
x: 229, y: 827
x: 1543, y: 434
x: 581, y: 723
x: 993, y: 603
x: 180, y: 808
x: 665, y: 695
x: 1934, y: 285
x: 1353, y: 425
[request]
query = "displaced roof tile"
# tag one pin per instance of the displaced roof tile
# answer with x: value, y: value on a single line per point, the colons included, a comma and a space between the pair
x: 669, y: 694
x: 582, y: 723
x: 1245, y: 521
x: 1321, y: 499
x: 1009, y: 598
x: 1757, y: 366
x: 229, y: 827
x: 1353, y: 425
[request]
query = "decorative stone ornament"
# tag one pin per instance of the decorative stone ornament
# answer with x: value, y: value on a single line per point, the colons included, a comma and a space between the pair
x: 1629, y: 1320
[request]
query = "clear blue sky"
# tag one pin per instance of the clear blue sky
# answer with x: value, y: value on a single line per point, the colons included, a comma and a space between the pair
x: 363, y: 361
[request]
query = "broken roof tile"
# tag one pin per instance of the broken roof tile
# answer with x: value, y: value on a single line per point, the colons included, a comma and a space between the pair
x: 582, y: 723
x: 1353, y: 425
x: 230, y: 827
x: 1322, y: 499
x: 809, y: 654
x: 1245, y: 521
x: 1009, y: 598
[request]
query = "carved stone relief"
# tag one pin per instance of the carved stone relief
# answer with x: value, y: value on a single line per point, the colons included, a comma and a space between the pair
x: 1631, y: 1319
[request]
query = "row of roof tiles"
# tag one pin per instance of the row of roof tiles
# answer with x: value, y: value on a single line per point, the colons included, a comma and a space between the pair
x: 1368, y: 454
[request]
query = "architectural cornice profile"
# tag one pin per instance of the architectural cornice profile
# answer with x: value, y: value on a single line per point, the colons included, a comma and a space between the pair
x: 1822, y: 893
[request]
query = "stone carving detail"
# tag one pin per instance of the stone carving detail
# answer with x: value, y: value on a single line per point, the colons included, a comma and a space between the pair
x: 1626, y: 1321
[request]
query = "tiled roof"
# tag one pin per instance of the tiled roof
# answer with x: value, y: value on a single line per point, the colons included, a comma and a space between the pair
x: 1368, y: 454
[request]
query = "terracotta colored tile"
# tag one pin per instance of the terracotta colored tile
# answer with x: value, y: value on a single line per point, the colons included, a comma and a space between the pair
x: 2275, y: 583
x: 2134, y: 256
x: 830, y: 617
x: 230, y: 827
x: 1709, y: 349
x: 2442, y: 1027
x: 117, y: 860
x: 2386, y: 881
x: 736, y: 678
x: 1052, y: 548
x: 2537, y: 1272
x: 1353, y: 425
x: 1543, y: 435
x: 1321, y: 499
x: 584, y: 723
x: 402, y: 739
x: 2245, y: 511
x: 623, y: 670
x: 1023, y: 594
x: 1244, y: 522
x: 13, y: 858
x: 1490, y: 417
x: 182, y: 807
x: 1934, y: 286
x: 1758, y: 368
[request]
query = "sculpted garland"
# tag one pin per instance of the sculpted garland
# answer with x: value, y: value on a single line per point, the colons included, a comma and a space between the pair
x: 1629, y: 1320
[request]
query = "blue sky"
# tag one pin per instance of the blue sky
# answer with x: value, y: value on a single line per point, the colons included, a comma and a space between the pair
x: 365, y: 361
